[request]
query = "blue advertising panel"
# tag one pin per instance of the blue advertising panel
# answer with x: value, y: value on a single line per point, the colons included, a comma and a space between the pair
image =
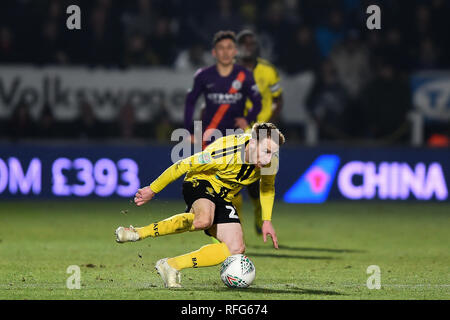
x: 306, y: 175
x: 364, y: 174
x: 79, y: 171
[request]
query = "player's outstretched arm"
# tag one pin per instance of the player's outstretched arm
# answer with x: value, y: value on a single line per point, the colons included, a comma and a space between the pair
x: 267, y: 196
x: 179, y: 168
x: 143, y: 196
x: 267, y: 229
x: 171, y: 174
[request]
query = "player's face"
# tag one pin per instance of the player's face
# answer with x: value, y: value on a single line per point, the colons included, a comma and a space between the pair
x: 248, y: 47
x: 261, y: 152
x: 225, y: 51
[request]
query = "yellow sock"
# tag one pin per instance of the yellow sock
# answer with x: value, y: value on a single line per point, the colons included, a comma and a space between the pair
x: 257, y: 211
x: 237, y: 202
x: 178, y: 223
x: 206, y: 256
x: 214, y: 240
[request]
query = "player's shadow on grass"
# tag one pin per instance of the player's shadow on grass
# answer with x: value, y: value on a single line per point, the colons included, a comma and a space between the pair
x: 283, y: 247
x: 288, y: 256
x: 290, y: 290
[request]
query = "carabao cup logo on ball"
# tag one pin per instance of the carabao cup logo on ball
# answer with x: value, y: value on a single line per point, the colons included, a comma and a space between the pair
x: 237, y: 271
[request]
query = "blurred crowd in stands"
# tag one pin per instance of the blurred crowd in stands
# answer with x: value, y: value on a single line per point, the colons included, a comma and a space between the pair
x: 361, y: 88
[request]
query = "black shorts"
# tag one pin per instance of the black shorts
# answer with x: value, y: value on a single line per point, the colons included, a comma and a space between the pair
x: 253, y: 190
x: 225, y: 211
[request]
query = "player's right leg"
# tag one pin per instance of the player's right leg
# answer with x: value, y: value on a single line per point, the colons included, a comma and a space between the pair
x: 200, y: 217
x: 178, y: 223
x: 186, y: 221
x: 124, y: 234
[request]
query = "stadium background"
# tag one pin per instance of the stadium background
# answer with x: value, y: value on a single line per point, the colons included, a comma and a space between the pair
x: 366, y: 115
x: 122, y: 80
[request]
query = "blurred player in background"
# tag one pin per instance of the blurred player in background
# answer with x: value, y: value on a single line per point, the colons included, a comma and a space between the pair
x: 265, y: 74
x: 225, y: 87
x: 268, y: 81
x: 213, y: 177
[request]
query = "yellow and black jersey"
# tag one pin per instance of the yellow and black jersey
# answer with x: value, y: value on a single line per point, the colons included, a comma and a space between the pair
x: 268, y: 81
x: 222, y: 165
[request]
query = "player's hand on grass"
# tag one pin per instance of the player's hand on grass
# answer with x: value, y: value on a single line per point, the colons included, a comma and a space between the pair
x: 241, y: 123
x: 267, y: 229
x: 143, y: 196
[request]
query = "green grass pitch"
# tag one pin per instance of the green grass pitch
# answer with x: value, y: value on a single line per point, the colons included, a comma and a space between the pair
x: 324, y: 252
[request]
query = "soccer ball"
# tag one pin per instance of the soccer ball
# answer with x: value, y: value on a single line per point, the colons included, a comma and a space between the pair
x: 237, y: 271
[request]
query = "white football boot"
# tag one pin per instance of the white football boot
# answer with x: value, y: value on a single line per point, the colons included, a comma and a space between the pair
x: 170, y: 276
x: 126, y: 234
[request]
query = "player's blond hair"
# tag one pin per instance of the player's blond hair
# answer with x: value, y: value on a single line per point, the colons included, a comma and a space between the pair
x: 268, y: 130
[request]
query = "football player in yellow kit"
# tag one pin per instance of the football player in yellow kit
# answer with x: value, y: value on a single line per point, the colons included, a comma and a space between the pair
x: 268, y: 81
x: 213, y: 177
x: 266, y: 77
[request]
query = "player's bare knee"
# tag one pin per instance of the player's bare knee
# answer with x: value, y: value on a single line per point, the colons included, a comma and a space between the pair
x: 238, y: 248
x: 202, y: 222
x: 203, y: 214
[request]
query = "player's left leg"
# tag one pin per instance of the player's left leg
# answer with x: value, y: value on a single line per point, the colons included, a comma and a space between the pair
x: 208, y: 255
x: 232, y: 235
x: 237, y: 203
x: 232, y: 242
x: 226, y: 228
